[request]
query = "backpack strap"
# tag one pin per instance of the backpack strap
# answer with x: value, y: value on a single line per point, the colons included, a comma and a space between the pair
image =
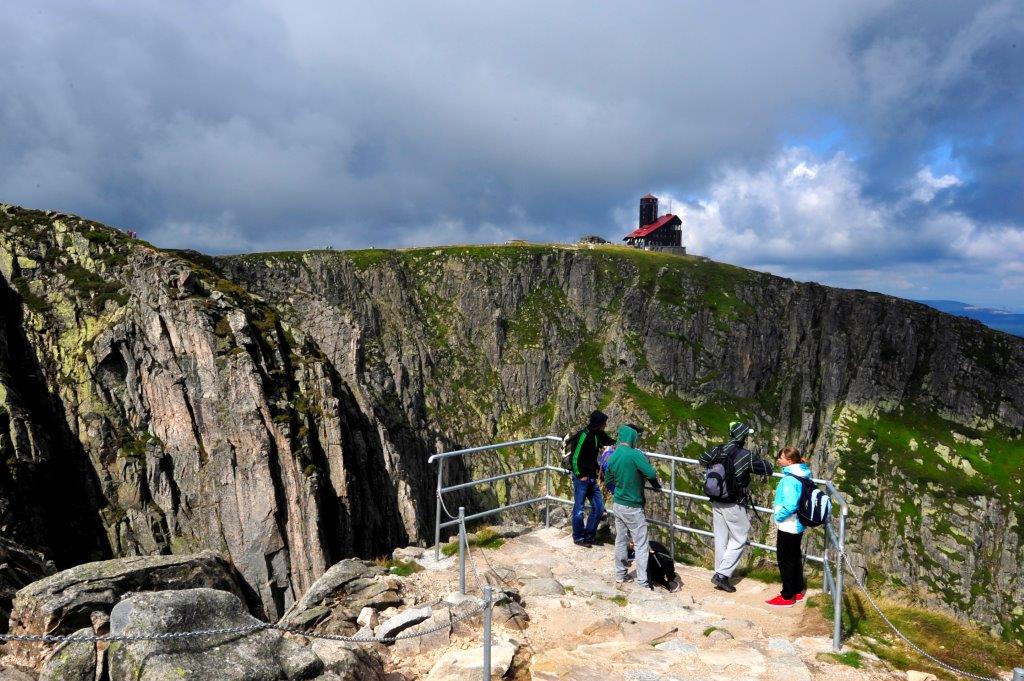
x: 576, y: 454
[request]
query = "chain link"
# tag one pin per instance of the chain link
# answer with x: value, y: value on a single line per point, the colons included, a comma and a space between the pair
x: 110, y: 638
x: 920, y: 651
x: 249, y: 629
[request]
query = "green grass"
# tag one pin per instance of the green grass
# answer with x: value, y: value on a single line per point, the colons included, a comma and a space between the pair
x: 850, y: 658
x: 957, y: 644
x: 402, y: 568
x: 484, y: 539
x: 996, y: 455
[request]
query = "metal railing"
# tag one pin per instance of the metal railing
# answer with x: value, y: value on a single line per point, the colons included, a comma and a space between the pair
x: 833, y: 537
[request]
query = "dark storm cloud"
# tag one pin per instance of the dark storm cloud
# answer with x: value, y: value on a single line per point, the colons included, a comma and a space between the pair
x: 235, y: 126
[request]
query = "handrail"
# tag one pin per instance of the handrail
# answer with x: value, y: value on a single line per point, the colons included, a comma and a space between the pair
x: 485, y: 448
x: 832, y: 539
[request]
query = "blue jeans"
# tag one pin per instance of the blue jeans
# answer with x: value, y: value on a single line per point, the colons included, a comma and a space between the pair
x: 582, y: 491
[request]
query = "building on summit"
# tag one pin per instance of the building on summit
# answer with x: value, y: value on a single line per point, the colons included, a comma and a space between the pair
x: 655, y: 233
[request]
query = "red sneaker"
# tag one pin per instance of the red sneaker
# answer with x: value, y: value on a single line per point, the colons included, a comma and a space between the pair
x: 780, y: 602
x: 798, y: 597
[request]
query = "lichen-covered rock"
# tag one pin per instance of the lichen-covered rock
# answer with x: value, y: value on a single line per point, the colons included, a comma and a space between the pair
x: 264, y: 655
x: 19, y: 566
x: 333, y: 603
x: 350, y: 661
x: 70, y: 599
x: 71, y: 661
x: 280, y: 408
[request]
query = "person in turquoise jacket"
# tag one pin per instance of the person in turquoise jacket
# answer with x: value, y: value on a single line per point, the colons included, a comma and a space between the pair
x: 628, y: 471
x: 790, y: 529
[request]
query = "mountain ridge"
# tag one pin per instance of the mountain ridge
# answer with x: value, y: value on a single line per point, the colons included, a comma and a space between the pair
x: 355, y: 365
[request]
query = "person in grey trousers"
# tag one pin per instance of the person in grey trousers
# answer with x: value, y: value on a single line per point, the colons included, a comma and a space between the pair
x: 729, y: 518
x: 628, y: 470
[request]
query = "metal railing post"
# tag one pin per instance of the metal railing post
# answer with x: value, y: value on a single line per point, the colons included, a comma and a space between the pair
x: 837, y: 597
x: 547, y: 484
x: 488, y: 612
x: 672, y: 511
x: 437, y: 518
x: 462, y: 550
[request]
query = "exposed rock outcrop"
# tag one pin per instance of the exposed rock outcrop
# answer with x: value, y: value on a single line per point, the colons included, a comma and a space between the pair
x: 334, y: 602
x: 280, y: 408
x: 63, y: 602
x: 19, y: 567
x: 260, y: 656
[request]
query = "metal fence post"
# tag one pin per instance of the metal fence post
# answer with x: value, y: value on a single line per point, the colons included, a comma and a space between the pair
x: 547, y: 484
x: 672, y: 510
x: 462, y: 550
x: 837, y: 597
x: 437, y: 518
x: 488, y: 612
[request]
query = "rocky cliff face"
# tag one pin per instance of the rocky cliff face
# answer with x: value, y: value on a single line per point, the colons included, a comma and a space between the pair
x: 280, y: 407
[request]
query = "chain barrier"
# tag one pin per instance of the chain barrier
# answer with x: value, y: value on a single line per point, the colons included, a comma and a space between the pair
x: 249, y: 629
x: 110, y: 638
x: 920, y: 651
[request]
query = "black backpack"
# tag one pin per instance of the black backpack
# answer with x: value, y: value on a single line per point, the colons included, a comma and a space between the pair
x: 815, y: 506
x: 661, y: 569
x: 720, y: 483
x: 571, y: 444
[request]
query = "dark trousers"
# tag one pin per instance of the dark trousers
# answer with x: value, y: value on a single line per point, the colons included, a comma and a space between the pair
x: 791, y: 564
x: 583, y: 491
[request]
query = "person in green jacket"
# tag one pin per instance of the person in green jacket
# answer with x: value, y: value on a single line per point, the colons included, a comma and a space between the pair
x: 628, y: 470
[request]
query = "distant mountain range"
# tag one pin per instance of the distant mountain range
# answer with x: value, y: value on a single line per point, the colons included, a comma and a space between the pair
x: 1002, y: 320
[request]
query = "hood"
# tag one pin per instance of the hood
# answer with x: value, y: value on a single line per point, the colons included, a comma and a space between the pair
x: 597, y: 419
x: 627, y: 436
x: 800, y: 470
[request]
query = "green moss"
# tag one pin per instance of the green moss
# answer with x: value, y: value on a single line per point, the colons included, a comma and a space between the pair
x: 587, y: 360
x: 996, y: 455
x: 850, y: 658
x: 484, y: 539
x: 974, y: 651
x: 544, y: 306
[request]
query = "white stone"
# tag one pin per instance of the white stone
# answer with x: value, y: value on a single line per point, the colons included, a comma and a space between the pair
x: 781, y: 645
x: 677, y: 646
x: 468, y: 664
x: 402, y: 621
x: 367, y: 618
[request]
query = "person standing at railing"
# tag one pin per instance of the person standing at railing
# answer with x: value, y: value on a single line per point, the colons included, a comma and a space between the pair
x: 726, y: 481
x: 583, y: 450
x: 790, y: 529
x: 628, y: 470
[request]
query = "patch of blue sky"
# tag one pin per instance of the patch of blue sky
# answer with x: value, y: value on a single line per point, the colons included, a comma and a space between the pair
x: 942, y: 161
x: 823, y: 136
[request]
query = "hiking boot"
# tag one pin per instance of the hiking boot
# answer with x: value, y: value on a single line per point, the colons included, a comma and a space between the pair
x: 623, y: 580
x: 780, y: 602
x: 722, y: 582
x: 583, y: 542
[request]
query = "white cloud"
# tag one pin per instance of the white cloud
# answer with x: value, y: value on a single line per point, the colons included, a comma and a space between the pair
x: 809, y: 217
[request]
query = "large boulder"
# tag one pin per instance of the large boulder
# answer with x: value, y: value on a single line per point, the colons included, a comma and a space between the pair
x: 261, y: 655
x: 67, y: 600
x: 19, y: 567
x: 71, y: 661
x: 333, y: 603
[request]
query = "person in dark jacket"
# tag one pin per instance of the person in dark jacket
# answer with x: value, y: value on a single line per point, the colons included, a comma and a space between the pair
x: 585, y: 447
x: 729, y: 518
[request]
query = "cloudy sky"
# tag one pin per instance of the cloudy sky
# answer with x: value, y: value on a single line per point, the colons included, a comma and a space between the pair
x: 866, y: 144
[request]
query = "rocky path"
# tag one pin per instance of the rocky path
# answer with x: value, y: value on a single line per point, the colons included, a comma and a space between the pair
x: 582, y: 626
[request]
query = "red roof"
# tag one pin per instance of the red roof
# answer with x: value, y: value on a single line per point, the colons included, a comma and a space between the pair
x: 648, y: 196
x: 646, y: 230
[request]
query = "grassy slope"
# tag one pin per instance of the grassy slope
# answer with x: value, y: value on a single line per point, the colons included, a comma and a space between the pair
x: 951, y: 460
